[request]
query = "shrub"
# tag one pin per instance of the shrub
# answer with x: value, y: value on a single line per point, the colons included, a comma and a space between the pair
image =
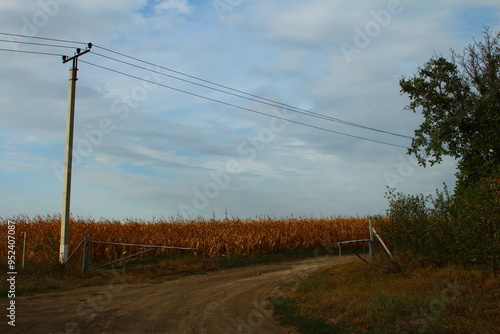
x: 449, y: 228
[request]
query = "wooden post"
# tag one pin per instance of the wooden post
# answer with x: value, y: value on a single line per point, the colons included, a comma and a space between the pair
x: 86, y: 251
x: 24, y: 251
x: 371, y: 249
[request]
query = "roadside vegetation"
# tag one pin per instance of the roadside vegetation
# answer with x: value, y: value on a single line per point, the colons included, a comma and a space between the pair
x: 361, y: 298
x: 445, y: 275
x: 443, y: 279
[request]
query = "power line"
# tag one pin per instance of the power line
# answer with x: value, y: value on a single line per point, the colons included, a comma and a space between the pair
x: 260, y: 100
x: 39, y: 44
x: 42, y: 38
x: 248, y: 96
x: 268, y: 101
x: 33, y: 52
x: 240, y: 107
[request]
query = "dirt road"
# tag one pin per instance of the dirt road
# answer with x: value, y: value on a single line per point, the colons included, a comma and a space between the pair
x: 222, y: 302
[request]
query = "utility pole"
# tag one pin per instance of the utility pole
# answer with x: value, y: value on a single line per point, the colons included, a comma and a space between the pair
x: 68, y: 154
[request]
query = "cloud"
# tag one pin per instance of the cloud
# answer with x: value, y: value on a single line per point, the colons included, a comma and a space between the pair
x: 166, y: 145
x: 181, y: 6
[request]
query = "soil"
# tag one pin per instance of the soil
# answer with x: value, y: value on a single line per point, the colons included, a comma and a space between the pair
x: 226, y: 301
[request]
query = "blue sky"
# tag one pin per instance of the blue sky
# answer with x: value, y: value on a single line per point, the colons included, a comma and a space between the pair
x: 143, y: 150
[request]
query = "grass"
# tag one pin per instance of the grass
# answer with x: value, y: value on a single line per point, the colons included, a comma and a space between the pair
x: 361, y: 298
x: 287, y: 313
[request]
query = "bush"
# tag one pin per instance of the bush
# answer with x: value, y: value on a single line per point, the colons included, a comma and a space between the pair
x: 448, y: 228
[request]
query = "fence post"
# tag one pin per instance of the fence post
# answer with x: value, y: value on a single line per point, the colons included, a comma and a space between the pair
x: 86, y: 246
x: 24, y: 250
x: 371, y: 249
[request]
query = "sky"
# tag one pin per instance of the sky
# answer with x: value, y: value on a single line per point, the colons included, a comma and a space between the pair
x: 149, y: 145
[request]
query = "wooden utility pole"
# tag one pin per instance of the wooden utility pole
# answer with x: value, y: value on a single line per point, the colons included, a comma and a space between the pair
x: 68, y: 156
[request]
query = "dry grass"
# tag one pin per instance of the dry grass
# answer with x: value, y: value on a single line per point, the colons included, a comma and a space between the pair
x: 361, y: 298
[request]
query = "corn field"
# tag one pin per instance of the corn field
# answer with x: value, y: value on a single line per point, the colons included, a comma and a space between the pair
x: 212, y: 237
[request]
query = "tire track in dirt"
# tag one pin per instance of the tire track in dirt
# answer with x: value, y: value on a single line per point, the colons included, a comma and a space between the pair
x: 221, y: 302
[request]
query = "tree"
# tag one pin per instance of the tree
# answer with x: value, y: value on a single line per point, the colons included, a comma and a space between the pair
x: 460, y: 102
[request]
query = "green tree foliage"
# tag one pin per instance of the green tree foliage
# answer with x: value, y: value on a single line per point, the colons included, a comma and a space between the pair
x: 460, y: 102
